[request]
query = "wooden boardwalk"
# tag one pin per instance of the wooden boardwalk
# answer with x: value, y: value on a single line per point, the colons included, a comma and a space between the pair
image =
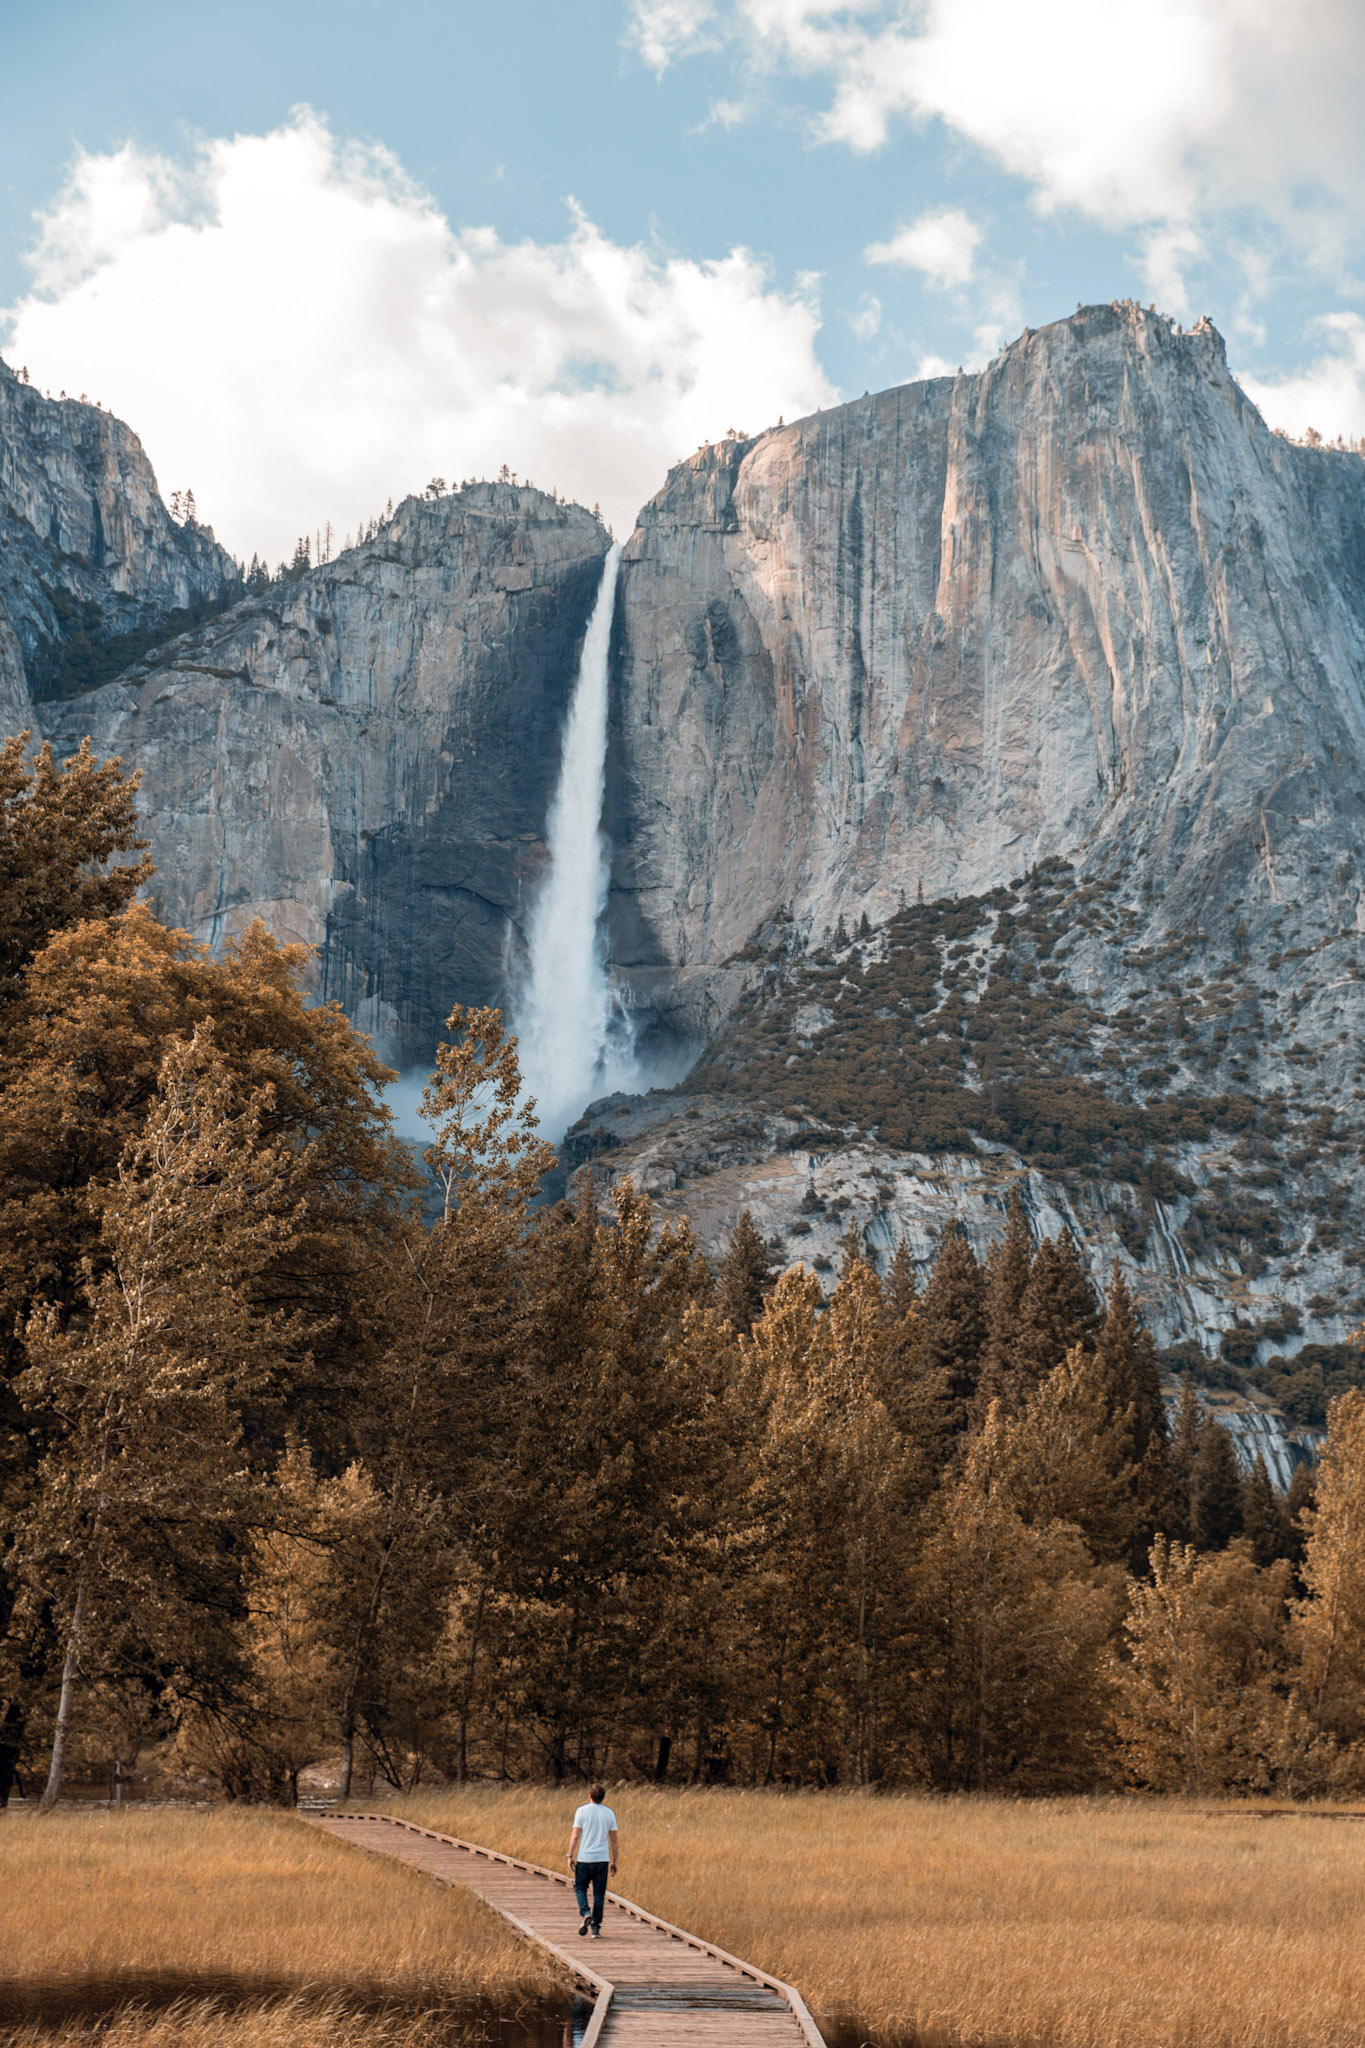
x: 654, y: 1985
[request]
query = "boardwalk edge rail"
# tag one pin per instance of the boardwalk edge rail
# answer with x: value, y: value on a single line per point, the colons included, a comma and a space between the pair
x: 800, y: 2011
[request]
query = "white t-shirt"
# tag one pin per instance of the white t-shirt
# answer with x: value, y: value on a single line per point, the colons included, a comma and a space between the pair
x: 595, y: 1821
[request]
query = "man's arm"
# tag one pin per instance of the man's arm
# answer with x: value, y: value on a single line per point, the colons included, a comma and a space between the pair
x: 575, y: 1838
x: 612, y: 1839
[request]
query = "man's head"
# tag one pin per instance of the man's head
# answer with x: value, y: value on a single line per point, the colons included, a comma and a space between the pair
x: 597, y: 1793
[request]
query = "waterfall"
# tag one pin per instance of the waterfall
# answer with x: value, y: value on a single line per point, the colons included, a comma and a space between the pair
x: 574, y: 1036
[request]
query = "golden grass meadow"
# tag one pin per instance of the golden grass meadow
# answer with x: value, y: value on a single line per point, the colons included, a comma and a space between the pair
x: 943, y: 1923
x: 989, y: 1923
x: 204, y: 1927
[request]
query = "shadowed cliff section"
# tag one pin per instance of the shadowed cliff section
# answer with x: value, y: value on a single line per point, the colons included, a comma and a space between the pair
x: 364, y: 758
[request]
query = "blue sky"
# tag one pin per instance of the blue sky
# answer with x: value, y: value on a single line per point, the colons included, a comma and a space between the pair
x: 315, y: 253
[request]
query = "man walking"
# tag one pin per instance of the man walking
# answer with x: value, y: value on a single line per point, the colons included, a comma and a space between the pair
x: 592, y: 1853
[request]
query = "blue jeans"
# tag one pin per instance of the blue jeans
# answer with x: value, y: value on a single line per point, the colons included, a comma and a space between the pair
x: 594, y: 1874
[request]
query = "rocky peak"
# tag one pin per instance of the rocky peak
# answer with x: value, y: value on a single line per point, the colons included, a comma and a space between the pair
x: 86, y: 545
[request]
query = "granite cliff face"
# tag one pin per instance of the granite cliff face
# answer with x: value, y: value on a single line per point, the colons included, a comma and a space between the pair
x: 86, y: 545
x: 1083, y: 603
x: 364, y: 758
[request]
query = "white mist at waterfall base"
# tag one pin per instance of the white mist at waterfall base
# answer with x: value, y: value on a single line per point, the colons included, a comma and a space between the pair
x: 575, y: 1035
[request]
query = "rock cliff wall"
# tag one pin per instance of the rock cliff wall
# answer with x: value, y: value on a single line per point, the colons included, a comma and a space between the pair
x: 86, y: 544
x: 1083, y: 603
x: 364, y: 758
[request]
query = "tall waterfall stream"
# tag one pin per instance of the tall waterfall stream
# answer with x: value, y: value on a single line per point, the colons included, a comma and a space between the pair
x: 575, y: 1037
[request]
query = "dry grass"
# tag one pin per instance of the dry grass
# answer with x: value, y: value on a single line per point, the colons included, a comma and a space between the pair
x: 1061, y: 1924
x: 224, y: 1926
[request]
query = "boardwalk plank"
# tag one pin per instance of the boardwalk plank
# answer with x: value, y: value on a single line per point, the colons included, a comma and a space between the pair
x: 656, y: 1986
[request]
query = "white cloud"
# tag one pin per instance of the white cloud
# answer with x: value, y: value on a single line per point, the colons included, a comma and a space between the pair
x: 297, y: 332
x: 1135, y: 113
x: 664, y: 30
x: 942, y: 244
x: 1329, y: 395
x: 867, y: 321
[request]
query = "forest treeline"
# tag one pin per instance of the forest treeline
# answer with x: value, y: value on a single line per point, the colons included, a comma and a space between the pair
x: 310, y: 1453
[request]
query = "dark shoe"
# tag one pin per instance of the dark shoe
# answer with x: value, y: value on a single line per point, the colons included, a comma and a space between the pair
x: 587, y: 1923
x: 597, y: 1934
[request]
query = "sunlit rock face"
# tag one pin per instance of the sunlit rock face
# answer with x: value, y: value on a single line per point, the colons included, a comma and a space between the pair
x: 364, y: 758
x: 85, y: 540
x: 1083, y: 603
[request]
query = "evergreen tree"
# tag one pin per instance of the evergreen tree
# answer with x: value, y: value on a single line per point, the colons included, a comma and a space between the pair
x: 1330, y: 1621
x: 1201, y: 1694
x: 1065, y: 1458
x: 1011, y: 1622
x: 146, y: 1490
x: 900, y: 1290
x: 60, y: 830
x: 745, y: 1276
x: 1298, y: 1502
x: 1007, y: 1275
x: 1263, y: 1521
x: 1058, y: 1309
x: 452, y: 1317
x: 1126, y: 1359
x: 953, y: 1319
x: 1215, y: 1490
x: 1185, y: 1441
x: 907, y: 1387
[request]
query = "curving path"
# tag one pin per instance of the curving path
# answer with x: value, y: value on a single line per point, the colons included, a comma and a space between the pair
x: 655, y: 1986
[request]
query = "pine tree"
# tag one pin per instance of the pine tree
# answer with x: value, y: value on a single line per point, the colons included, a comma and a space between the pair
x: 1065, y: 1458
x: 745, y: 1276
x: 1329, y: 1622
x: 146, y: 1491
x: 1215, y: 1490
x: 60, y: 830
x: 953, y: 1316
x: 900, y: 1290
x: 1201, y: 1694
x: 1126, y: 1359
x: 1058, y: 1309
x: 1185, y: 1441
x: 1300, y: 1499
x: 1011, y: 1622
x: 452, y: 1313
x: 1263, y: 1522
x: 1007, y: 1273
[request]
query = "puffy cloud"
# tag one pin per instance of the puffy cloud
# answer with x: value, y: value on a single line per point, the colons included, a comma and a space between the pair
x: 867, y: 321
x: 1329, y: 395
x: 1135, y: 113
x: 664, y: 30
x: 942, y: 244
x: 297, y: 332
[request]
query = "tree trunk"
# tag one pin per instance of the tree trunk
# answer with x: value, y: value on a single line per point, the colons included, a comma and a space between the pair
x: 661, y: 1760
x: 462, y: 1749
x: 11, y: 1746
x: 65, y: 1705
